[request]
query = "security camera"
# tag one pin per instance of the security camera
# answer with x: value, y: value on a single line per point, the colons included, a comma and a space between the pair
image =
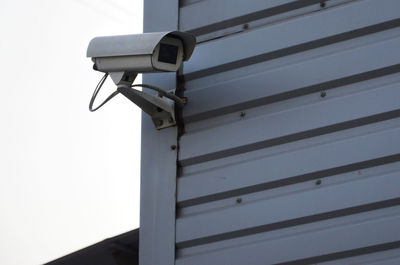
x: 123, y: 57
x: 141, y: 53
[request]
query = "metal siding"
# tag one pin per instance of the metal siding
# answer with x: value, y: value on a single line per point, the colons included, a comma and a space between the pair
x: 212, y: 143
x: 215, y: 18
x: 306, y: 76
x: 289, y: 207
x: 206, y: 13
x: 291, y: 151
x: 290, y: 33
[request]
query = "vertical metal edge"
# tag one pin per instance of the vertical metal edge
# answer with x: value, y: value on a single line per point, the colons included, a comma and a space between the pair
x: 158, y: 160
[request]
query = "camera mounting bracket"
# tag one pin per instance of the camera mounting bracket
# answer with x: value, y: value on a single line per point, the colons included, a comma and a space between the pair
x: 160, y: 108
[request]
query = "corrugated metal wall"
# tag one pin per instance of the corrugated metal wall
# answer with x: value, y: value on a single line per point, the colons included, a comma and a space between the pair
x: 291, y: 150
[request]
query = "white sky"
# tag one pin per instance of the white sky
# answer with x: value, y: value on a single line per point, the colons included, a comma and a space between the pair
x: 69, y: 178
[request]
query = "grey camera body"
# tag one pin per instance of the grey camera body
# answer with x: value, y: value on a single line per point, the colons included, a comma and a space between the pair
x: 141, y: 53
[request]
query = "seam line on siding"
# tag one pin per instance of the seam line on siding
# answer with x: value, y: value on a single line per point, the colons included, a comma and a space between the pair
x: 292, y: 137
x: 269, y: 12
x: 294, y: 49
x: 345, y: 254
x: 290, y: 223
x: 348, y: 80
x: 291, y: 180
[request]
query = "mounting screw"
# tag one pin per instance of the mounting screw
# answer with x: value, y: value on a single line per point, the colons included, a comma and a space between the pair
x: 322, y: 4
x: 318, y: 182
x: 173, y: 147
x: 323, y: 94
x: 245, y: 26
x: 242, y: 114
x: 239, y: 200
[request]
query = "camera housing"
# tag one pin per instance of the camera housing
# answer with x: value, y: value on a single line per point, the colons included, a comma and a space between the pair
x: 141, y: 53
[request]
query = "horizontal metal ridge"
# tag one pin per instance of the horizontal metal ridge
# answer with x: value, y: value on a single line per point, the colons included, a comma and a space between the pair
x: 293, y: 137
x: 294, y: 49
x: 348, y: 80
x: 290, y: 181
x: 349, y: 147
x: 290, y: 223
x: 345, y: 254
x: 254, y: 16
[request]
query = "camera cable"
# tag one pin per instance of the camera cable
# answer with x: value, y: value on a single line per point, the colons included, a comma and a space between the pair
x: 160, y: 91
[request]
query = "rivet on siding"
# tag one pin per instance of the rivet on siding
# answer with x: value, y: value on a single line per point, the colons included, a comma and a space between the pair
x: 318, y: 182
x: 239, y: 200
x: 245, y: 26
x: 173, y: 147
x: 323, y: 94
x: 322, y: 4
x: 242, y: 114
